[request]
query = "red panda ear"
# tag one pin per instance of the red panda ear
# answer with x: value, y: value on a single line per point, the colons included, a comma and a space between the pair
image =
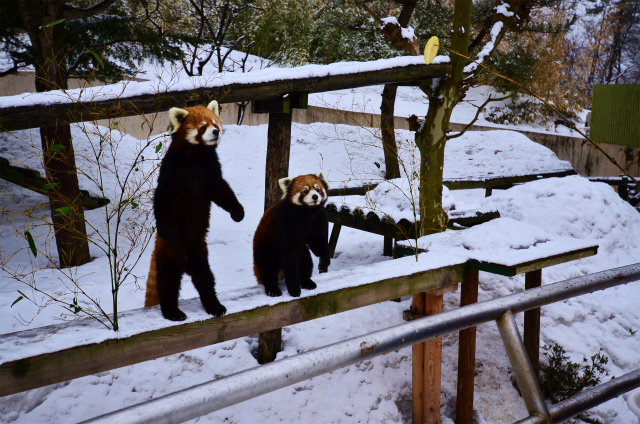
x: 176, y: 115
x: 323, y: 177
x: 213, y: 106
x: 284, y: 184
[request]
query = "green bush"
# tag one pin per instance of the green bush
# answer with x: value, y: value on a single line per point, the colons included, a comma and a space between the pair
x: 560, y: 378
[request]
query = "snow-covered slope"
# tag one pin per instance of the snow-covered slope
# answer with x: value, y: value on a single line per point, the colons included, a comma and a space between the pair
x: 375, y: 391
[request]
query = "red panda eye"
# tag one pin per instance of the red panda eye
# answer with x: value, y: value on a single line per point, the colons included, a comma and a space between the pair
x: 306, y: 192
x: 203, y: 128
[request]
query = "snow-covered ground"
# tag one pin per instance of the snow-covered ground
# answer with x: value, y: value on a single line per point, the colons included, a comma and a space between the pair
x: 375, y: 391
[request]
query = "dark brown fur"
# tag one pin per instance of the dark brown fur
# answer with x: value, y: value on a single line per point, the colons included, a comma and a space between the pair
x: 285, y: 230
x: 190, y: 179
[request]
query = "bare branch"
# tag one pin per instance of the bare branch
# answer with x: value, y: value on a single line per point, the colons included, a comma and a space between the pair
x: 475, y: 118
x: 72, y: 12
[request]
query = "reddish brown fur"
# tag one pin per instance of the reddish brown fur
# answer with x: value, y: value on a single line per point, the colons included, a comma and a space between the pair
x: 284, y: 235
x: 196, y: 115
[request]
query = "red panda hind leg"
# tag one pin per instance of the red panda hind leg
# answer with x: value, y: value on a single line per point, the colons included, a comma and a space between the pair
x: 151, y: 295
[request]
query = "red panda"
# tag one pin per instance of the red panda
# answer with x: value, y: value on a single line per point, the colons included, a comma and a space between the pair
x: 190, y: 179
x: 286, y: 229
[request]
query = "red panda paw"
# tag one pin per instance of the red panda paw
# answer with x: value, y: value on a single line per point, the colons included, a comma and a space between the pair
x: 215, y: 308
x: 308, y: 285
x: 173, y: 314
x: 273, y: 291
x: 237, y: 214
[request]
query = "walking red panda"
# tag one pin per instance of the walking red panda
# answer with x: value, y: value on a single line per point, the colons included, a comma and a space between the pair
x: 190, y: 179
x: 286, y: 229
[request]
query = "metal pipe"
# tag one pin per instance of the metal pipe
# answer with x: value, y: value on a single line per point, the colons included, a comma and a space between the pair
x: 525, y: 375
x: 593, y: 397
x: 211, y: 396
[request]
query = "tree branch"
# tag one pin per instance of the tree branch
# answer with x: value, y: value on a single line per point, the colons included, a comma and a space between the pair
x: 72, y: 12
x: 475, y: 118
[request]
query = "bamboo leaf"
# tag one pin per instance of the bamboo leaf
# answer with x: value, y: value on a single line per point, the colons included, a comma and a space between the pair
x: 63, y: 211
x: 158, y: 147
x: 17, y: 300
x: 97, y: 58
x: 50, y: 186
x: 32, y: 244
x: 57, y: 147
x: 59, y: 21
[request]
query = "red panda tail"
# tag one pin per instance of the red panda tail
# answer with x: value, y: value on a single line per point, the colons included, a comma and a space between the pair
x: 257, y: 274
x: 151, y: 296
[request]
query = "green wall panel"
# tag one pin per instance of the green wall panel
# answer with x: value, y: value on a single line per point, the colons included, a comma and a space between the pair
x: 615, y: 114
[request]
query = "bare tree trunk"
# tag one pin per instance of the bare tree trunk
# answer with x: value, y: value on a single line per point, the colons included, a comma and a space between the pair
x: 432, y: 137
x: 387, y: 129
x: 65, y: 202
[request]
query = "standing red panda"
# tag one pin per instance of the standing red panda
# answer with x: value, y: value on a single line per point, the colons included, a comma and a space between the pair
x: 190, y: 179
x: 286, y: 229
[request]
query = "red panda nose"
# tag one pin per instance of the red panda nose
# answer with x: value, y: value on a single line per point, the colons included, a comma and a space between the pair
x: 314, y: 197
x: 216, y: 132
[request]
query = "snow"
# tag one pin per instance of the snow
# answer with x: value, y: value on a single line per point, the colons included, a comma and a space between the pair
x: 378, y: 390
x: 487, y: 49
x: 175, y: 83
x: 503, y: 9
x: 412, y: 101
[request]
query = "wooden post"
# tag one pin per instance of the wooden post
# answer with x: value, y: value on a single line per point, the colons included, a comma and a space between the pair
x: 467, y: 352
x: 427, y: 365
x: 278, y: 147
x: 387, y: 248
x: 532, y: 322
x: 333, y: 240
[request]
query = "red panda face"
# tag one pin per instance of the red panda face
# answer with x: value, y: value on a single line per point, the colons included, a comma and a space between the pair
x: 198, y: 124
x: 306, y: 190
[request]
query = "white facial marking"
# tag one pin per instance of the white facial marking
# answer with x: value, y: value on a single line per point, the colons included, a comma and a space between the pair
x: 296, y: 199
x: 313, y: 197
x: 192, y: 135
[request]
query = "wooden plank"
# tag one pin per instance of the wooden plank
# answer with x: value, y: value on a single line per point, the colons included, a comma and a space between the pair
x: 462, y: 184
x: 66, y: 364
x: 38, y: 115
x: 502, y: 181
x: 467, y: 352
x: 522, y: 268
x: 531, y: 336
x: 401, y: 230
x: 32, y: 180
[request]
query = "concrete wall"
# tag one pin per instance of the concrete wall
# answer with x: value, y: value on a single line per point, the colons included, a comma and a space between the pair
x: 585, y: 158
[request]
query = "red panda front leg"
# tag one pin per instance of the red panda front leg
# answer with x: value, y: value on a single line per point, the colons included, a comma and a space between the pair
x: 223, y: 196
x: 306, y: 269
x: 198, y: 268
x: 291, y: 267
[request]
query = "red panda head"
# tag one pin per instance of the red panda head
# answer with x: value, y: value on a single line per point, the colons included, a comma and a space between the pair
x: 305, y: 190
x: 197, y: 125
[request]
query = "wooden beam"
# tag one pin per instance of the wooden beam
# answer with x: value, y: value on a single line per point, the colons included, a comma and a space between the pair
x: 403, y: 229
x: 32, y: 180
x: 510, y: 271
x: 66, y: 364
x: 464, y: 184
x: 42, y: 114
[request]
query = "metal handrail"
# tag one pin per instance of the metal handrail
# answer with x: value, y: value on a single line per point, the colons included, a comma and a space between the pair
x: 214, y: 395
